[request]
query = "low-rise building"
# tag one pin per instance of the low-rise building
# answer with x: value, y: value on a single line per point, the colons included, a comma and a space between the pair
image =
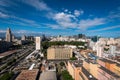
x: 48, y: 75
x: 105, y: 74
x: 74, y: 67
x: 28, y: 75
x: 117, y: 69
x: 22, y: 42
x: 108, y: 70
x: 78, y: 72
x: 91, y: 66
x: 107, y: 64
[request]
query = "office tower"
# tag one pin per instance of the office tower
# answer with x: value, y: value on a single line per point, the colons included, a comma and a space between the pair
x: 112, y: 49
x: 8, y: 35
x: 99, y: 51
x: 13, y: 37
x: 38, y: 43
x: 81, y: 36
x: 23, y: 37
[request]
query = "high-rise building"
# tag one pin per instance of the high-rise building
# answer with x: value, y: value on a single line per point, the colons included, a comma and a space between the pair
x: 99, y: 51
x: 13, y: 37
x: 81, y: 36
x: 38, y: 43
x: 112, y: 49
x: 8, y: 35
x: 23, y: 37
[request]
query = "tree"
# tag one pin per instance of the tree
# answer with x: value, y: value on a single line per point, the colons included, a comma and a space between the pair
x: 7, y: 76
x: 73, y: 58
x: 62, y: 63
x: 66, y: 76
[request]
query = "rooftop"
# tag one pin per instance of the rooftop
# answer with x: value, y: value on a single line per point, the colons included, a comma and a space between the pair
x: 118, y: 64
x: 91, y: 61
x: 8, y: 53
x: 76, y: 63
x: 109, y: 72
x: 48, y: 75
x: 88, y: 75
x: 28, y: 75
x: 106, y: 60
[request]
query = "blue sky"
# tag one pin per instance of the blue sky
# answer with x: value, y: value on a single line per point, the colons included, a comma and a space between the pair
x: 61, y: 17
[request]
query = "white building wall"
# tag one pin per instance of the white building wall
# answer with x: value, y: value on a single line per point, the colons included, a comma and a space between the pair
x: 38, y: 43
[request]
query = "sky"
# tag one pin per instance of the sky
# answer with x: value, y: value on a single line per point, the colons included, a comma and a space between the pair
x: 61, y: 17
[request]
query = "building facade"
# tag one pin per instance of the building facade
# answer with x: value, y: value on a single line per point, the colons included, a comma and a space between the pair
x: 108, y: 70
x: 23, y: 37
x: 38, y: 43
x: 59, y: 52
x: 8, y: 35
x: 78, y: 72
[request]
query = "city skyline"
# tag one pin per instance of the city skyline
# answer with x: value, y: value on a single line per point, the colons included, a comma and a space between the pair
x: 58, y: 17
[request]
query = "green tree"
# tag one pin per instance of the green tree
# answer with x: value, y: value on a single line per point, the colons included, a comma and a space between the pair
x: 66, y: 76
x: 7, y: 76
x: 73, y: 58
x: 62, y: 63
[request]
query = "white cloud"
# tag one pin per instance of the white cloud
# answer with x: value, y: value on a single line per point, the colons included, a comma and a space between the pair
x: 2, y: 31
x: 69, y: 12
x: 28, y: 22
x: 21, y: 31
x: 40, y: 5
x: 53, y: 26
x: 3, y: 15
x: 78, y: 12
x: 18, y: 21
x: 65, y: 20
x: 63, y: 16
x: 66, y: 10
x: 115, y: 14
x: 106, y: 28
x: 84, y: 24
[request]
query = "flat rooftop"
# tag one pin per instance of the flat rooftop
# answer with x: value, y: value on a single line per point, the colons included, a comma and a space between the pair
x: 76, y: 63
x: 118, y: 64
x: 106, y: 60
x: 28, y: 75
x: 109, y: 72
x: 8, y: 53
x: 87, y: 74
x: 48, y: 75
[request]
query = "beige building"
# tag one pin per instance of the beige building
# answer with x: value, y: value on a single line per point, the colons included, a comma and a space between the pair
x: 78, y: 72
x: 74, y: 67
x: 23, y: 37
x: 91, y: 67
x: 38, y: 43
x: 8, y: 35
x: 59, y: 52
